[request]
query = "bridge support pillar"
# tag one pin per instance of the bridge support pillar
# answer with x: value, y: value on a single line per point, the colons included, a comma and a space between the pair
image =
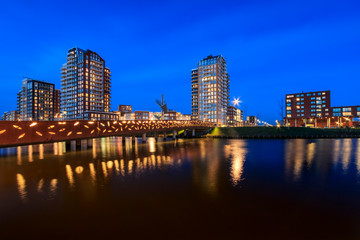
x: 193, y: 132
x: 133, y: 139
x: 78, y: 144
x: 184, y: 132
x: 156, y: 136
x: 143, y: 138
x: 174, y: 134
x: 315, y: 123
x: 68, y: 145
x: 89, y: 143
x: 123, y: 140
x: 165, y: 136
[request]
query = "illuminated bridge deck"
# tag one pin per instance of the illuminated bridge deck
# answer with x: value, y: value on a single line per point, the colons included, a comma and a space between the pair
x: 15, y: 133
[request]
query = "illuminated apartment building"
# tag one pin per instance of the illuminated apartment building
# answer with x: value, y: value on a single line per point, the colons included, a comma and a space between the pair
x: 85, y: 84
x: 235, y: 117
x: 194, y: 94
x: 57, y: 103
x: 36, y: 100
x: 210, y: 90
x: 313, y: 109
x: 307, y: 105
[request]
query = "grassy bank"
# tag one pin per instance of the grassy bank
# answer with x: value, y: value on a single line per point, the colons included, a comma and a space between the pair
x: 283, y: 132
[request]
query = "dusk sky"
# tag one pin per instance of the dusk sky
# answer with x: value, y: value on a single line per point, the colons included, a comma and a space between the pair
x: 271, y: 48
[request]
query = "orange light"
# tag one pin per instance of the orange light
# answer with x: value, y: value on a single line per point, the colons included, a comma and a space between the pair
x: 21, y: 136
x: 33, y: 124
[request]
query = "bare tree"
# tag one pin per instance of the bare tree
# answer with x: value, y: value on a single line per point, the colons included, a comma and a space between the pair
x: 281, y: 110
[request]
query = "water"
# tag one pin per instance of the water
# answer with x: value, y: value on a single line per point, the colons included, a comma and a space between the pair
x: 184, y: 189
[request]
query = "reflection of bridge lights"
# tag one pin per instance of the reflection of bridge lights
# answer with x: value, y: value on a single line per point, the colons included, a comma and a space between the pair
x: 109, y: 164
x: 92, y: 172
x: 21, y: 186
x: 79, y: 169
x: 69, y: 175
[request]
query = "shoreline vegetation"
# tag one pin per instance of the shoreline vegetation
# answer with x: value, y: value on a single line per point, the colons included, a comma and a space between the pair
x: 282, y: 132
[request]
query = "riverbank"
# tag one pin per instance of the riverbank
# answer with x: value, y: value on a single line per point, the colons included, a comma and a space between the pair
x: 282, y: 132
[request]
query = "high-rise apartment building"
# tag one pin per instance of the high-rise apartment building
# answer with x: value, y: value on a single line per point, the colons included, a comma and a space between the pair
x: 210, y: 90
x: 36, y: 100
x: 85, y: 84
x: 57, y: 103
x: 194, y: 94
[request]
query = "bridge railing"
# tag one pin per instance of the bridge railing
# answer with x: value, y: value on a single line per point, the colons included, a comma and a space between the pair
x: 14, y: 133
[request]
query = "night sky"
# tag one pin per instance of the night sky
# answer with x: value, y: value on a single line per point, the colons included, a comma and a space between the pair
x: 271, y: 47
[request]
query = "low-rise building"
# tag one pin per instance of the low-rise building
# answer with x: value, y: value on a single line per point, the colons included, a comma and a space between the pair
x: 124, y: 109
x: 313, y: 109
x: 234, y: 117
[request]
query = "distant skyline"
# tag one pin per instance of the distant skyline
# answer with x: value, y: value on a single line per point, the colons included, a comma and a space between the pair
x: 271, y: 48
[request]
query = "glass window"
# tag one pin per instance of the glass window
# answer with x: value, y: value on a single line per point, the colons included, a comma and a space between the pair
x: 336, y: 114
x: 346, y: 109
x: 336, y: 109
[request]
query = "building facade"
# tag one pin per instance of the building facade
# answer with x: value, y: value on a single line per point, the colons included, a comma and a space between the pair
x: 210, y: 90
x: 252, y: 121
x: 313, y: 109
x: 85, y: 84
x: 142, y: 115
x: 308, y: 105
x: 235, y: 117
x: 57, y: 103
x: 124, y: 109
x: 36, y: 100
x: 11, y: 116
x: 98, y: 116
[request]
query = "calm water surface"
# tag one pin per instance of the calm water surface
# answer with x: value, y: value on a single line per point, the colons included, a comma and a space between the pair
x: 184, y: 189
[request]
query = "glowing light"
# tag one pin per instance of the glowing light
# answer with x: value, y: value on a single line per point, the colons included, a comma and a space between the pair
x: 69, y: 133
x: 52, y: 126
x: 21, y: 186
x: 17, y: 127
x: 77, y: 123
x: 236, y: 101
x: 53, y: 186
x: 69, y: 175
x: 79, y: 169
x: 2, y: 131
x: 40, y: 185
x: 39, y: 133
x: 92, y: 172
x: 21, y: 136
x: 52, y: 133
x: 109, y: 164
x: 33, y: 124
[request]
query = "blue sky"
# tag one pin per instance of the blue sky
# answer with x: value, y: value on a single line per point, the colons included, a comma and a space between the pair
x: 271, y: 47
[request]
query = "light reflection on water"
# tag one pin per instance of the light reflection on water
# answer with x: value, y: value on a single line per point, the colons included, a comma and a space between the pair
x: 231, y: 170
x: 117, y: 160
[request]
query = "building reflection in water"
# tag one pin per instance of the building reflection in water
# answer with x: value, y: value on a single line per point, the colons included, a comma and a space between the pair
x: 295, y: 152
x: 236, y: 151
x: 53, y: 187
x: 346, y: 153
x: 358, y: 156
x: 321, y: 155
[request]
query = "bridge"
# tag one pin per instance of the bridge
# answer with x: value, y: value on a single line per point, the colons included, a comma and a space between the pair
x: 17, y: 133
